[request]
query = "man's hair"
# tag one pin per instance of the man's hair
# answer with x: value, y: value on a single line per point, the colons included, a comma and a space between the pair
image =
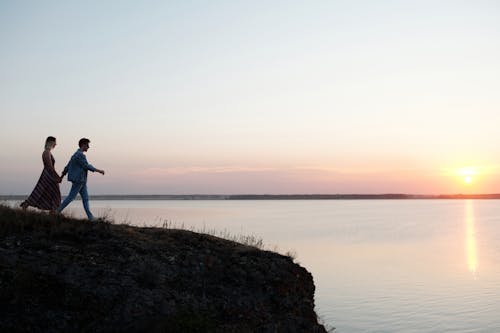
x: 83, y: 141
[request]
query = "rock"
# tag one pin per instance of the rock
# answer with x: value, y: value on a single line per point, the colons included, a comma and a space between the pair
x: 64, y: 275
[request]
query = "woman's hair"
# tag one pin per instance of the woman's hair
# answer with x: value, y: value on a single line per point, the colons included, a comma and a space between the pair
x: 49, y: 141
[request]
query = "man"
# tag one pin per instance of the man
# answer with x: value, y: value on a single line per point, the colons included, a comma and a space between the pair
x: 77, y: 170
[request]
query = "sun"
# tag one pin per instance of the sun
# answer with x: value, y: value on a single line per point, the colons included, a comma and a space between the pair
x: 468, y: 175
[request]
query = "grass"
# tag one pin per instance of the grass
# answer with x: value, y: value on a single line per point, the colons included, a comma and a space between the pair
x: 248, y: 240
x: 16, y: 220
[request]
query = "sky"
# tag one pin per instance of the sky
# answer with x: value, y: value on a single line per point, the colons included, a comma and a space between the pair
x: 262, y: 97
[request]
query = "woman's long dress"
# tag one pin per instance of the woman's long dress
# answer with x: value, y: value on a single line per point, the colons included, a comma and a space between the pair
x: 46, y: 195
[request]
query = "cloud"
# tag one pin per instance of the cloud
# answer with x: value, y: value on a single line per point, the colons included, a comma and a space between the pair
x: 175, y: 171
x: 283, y: 180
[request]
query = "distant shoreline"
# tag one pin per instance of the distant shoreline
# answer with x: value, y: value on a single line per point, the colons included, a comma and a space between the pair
x: 388, y: 196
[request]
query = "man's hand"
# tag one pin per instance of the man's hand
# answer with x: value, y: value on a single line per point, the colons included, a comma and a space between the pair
x: 100, y: 171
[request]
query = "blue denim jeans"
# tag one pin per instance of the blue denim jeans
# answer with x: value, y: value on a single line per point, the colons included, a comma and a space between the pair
x: 75, y: 189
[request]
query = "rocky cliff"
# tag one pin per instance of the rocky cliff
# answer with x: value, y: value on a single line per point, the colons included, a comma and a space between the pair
x: 65, y: 275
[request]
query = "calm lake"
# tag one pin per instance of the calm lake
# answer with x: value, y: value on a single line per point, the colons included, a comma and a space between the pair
x: 378, y: 265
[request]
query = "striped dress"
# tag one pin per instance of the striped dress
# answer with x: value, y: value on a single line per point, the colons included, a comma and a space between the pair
x: 46, y: 195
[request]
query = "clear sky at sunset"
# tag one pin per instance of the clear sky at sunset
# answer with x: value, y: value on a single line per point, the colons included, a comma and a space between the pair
x: 227, y: 97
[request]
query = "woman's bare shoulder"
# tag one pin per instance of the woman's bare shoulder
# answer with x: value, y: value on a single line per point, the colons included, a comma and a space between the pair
x: 46, y: 153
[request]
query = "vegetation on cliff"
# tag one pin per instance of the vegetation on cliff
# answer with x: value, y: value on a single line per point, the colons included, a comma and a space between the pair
x: 65, y: 275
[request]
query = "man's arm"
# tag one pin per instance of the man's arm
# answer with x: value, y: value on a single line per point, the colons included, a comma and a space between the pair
x: 65, y: 170
x: 82, y: 160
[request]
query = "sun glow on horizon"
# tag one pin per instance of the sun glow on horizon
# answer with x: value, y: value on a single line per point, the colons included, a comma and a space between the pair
x: 468, y: 174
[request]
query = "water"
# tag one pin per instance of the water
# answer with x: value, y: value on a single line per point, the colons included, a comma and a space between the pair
x: 378, y: 265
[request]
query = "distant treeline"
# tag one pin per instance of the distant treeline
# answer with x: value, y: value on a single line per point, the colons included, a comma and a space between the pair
x: 389, y: 196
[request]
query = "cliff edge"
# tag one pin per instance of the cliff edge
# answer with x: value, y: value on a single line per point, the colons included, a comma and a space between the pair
x: 65, y: 275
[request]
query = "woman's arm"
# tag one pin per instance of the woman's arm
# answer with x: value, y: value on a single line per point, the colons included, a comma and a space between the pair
x: 47, y: 163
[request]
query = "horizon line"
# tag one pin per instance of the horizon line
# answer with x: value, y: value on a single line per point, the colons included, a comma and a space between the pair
x: 303, y: 196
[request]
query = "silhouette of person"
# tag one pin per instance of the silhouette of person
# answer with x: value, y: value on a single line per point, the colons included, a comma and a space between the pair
x: 77, y: 170
x: 46, y: 195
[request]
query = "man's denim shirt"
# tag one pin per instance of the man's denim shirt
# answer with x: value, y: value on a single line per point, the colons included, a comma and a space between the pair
x: 78, y: 167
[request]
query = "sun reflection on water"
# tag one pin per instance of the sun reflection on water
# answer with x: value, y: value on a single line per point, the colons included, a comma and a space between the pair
x: 471, y: 247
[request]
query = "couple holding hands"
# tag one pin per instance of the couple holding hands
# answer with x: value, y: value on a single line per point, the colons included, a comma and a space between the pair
x: 46, y: 195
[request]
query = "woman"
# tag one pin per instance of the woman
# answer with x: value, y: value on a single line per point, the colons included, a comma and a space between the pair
x: 46, y: 194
